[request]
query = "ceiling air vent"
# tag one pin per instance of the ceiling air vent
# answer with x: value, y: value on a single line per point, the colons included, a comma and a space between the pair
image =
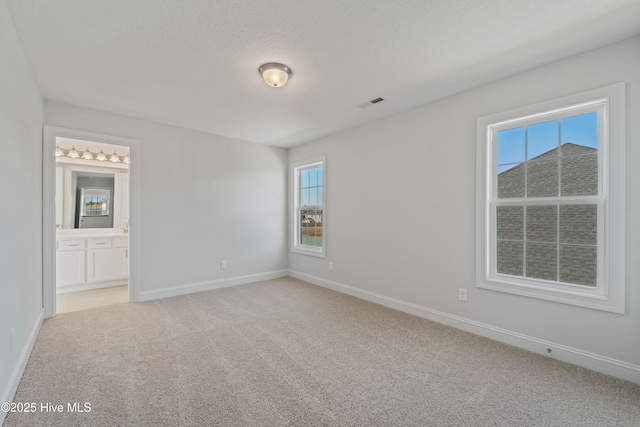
x: 370, y: 103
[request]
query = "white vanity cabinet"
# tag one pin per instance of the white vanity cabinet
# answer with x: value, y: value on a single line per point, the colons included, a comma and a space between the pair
x: 70, y: 262
x: 107, y: 259
x: 93, y: 262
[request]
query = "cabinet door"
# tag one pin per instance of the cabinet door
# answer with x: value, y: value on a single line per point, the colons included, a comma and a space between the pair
x: 121, y: 200
x: 59, y: 196
x: 70, y: 268
x: 108, y: 264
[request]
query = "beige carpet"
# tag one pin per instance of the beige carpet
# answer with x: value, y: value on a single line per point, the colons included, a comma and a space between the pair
x: 284, y: 352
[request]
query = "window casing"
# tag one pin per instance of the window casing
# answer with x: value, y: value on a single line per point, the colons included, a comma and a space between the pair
x: 309, y: 189
x: 550, y: 207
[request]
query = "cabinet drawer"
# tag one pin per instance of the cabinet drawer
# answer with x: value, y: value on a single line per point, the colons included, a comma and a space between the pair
x: 70, y: 245
x: 120, y: 242
x: 99, y: 243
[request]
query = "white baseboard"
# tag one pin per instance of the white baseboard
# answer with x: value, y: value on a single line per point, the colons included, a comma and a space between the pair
x: 209, y: 285
x: 10, y: 390
x: 595, y: 362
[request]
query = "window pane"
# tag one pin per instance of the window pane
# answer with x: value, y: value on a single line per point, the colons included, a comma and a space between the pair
x: 578, y: 264
x: 511, y: 182
x: 510, y: 222
x: 313, y: 196
x: 542, y: 261
x: 313, y: 177
x: 542, y: 223
x: 579, y: 224
x: 542, y: 177
x: 318, y: 219
x: 581, y: 130
x: 579, y: 174
x: 511, y: 146
x: 542, y: 138
x: 305, y: 225
x: 510, y: 258
x: 301, y: 227
x: 311, y: 228
x: 310, y: 196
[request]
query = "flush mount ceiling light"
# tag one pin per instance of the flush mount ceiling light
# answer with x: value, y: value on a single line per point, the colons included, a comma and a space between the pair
x: 274, y: 74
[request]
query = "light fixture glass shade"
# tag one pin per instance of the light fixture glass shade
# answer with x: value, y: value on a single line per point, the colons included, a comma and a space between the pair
x: 73, y: 153
x: 101, y: 156
x: 114, y: 158
x: 58, y: 151
x: 274, y: 74
x: 87, y: 155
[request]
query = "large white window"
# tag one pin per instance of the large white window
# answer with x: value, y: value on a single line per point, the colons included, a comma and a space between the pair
x: 309, y: 232
x: 551, y: 200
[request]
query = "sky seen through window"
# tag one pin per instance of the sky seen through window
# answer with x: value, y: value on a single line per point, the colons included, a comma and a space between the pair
x: 524, y: 143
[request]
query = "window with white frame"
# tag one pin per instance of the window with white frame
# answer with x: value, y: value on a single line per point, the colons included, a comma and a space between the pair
x: 309, y: 207
x: 550, y: 210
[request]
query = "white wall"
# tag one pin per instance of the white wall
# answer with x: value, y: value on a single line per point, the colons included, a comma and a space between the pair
x: 401, y: 208
x: 203, y: 198
x: 20, y: 207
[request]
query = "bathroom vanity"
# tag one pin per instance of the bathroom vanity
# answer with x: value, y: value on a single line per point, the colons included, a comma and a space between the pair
x: 91, y: 259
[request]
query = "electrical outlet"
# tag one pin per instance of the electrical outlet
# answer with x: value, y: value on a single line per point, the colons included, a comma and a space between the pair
x: 223, y: 265
x: 462, y: 294
x: 330, y: 265
x: 13, y: 337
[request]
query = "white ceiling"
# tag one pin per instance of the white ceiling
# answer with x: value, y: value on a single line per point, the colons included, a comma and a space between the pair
x: 193, y: 63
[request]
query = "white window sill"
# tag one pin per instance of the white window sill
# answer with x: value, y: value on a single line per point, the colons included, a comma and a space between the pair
x: 312, y: 252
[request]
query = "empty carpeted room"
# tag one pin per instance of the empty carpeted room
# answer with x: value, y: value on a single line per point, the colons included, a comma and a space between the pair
x: 334, y: 213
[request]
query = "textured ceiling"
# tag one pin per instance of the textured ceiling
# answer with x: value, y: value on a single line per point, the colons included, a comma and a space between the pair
x: 193, y: 63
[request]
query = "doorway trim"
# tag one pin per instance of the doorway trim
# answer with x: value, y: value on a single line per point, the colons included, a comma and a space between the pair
x: 50, y: 133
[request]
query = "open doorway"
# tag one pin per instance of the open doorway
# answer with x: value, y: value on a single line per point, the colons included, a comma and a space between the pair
x: 89, y: 215
x: 92, y: 224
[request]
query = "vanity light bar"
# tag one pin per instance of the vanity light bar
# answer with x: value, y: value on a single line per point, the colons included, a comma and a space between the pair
x: 89, y: 155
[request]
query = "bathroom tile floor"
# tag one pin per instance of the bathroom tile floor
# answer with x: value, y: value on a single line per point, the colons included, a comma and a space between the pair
x: 83, y: 300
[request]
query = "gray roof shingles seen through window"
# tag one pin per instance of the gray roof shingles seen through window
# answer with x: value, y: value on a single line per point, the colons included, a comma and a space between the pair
x: 557, y: 239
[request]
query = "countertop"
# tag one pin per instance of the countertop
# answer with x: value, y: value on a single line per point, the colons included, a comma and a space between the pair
x: 72, y: 234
